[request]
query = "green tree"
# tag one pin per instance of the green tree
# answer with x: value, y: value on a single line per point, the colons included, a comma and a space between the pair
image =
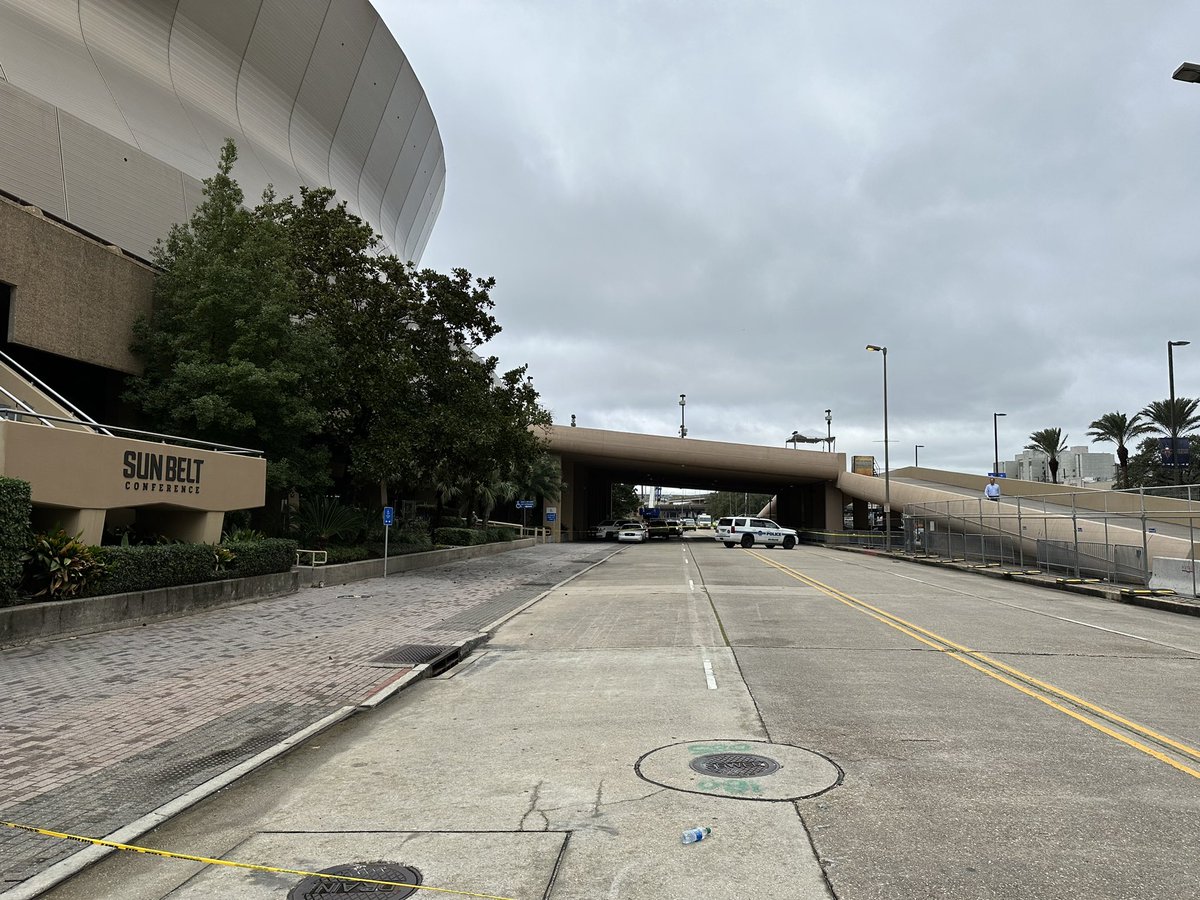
x: 623, y: 501
x: 224, y: 359
x: 1117, y: 428
x: 1052, y: 442
x: 360, y: 299
x: 735, y: 503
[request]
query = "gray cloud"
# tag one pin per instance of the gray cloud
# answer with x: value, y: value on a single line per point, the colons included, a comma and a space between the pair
x: 673, y: 194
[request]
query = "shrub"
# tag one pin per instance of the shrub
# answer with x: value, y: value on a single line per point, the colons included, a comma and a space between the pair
x: 59, y: 566
x: 456, y: 537
x: 336, y: 555
x: 263, y: 557
x: 242, y: 535
x: 14, y: 535
x: 414, y: 532
x: 320, y: 520
x: 145, y: 568
x: 499, y: 534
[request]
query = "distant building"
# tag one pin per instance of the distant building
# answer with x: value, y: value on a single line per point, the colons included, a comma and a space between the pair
x: 1076, y: 465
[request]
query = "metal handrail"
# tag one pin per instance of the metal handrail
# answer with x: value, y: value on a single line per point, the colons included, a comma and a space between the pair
x: 135, y: 432
x: 46, y: 389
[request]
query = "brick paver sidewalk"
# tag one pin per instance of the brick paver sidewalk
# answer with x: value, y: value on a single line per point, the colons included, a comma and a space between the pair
x: 101, y: 729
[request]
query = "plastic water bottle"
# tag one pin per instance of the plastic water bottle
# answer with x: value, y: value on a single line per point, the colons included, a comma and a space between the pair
x: 692, y: 835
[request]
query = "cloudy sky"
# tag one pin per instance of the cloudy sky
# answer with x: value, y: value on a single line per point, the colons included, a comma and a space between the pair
x: 730, y: 200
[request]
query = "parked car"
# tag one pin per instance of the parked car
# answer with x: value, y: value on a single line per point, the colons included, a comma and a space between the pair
x: 607, y: 530
x: 658, y: 528
x: 674, y: 528
x: 751, y: 530
x: 633, y: 533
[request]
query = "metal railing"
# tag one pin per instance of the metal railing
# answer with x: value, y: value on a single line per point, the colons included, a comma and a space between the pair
x: 41, y: 386
x: 1106, y: 535
x: 113, y: 430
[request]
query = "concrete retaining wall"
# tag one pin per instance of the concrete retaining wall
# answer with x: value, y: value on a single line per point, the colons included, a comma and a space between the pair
x: 57, y: 618
x: 344, y: 573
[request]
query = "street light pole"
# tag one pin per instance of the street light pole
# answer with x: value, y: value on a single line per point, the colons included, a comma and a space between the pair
x: 682, y: 404
x: 996, y: 442
x: 887, y: 475
x: 1174, y: 419
x: 829, y: 429
x: 917, y: 455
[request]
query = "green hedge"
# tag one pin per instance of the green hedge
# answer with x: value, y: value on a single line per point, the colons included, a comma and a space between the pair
x: 145, y: 568
x: 264, y: 557
x: 15, y: 535
x: 458, y: 537
x: 467, y: 537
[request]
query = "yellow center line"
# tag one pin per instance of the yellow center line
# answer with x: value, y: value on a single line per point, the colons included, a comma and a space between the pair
x: 974, y: 659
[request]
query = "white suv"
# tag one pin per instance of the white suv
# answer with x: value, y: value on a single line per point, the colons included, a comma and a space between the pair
x: 750, y: 530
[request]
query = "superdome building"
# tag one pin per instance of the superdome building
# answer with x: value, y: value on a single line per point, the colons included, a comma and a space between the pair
x: 112, y: 112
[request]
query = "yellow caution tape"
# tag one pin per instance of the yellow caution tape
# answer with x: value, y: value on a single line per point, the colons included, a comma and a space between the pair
x: 167, y: 854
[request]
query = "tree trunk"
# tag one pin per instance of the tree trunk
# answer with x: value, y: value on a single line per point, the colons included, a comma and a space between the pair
x: 1054, y: 470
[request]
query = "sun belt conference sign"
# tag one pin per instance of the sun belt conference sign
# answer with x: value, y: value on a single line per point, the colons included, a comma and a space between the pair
x: 161, y: 473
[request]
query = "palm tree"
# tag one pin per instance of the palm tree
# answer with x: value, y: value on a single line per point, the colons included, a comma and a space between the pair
x: 1052, y: 442
x: 1173, y: 421
x: 1117, y: 428
x: 540, y: 477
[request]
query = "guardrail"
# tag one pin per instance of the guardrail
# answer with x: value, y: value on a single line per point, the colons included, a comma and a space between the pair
x: 315, y: 557
x: 539, y: 533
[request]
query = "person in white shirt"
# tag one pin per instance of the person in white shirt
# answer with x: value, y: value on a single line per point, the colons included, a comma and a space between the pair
x: 992, y: 490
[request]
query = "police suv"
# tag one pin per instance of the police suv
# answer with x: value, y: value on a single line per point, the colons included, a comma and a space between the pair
x: 750, y: 530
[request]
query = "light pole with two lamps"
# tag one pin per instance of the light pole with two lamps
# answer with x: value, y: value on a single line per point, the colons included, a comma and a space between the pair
x: 887, y: 477
x: 682, y: 404
x: 829, y: 429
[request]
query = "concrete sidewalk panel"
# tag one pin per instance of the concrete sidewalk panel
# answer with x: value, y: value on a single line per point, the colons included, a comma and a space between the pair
x: 501, y: 864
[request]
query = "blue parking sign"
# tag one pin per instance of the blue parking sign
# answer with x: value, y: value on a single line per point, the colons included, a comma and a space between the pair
x: 389, y: 515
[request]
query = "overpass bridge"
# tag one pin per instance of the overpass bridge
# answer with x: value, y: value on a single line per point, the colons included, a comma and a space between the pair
x: 812, y: 489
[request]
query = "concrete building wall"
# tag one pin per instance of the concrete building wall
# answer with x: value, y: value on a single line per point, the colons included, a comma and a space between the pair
x: 71, y: 296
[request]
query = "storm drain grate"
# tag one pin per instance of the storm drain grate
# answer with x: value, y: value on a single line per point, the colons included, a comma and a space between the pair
x: 340, y: 881
x: 412, y: 654
x: 734, y: 765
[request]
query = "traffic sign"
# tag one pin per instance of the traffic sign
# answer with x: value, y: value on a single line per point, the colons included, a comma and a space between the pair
x: 524, y: 504
x: 389, y: 515
x: 550, y: 517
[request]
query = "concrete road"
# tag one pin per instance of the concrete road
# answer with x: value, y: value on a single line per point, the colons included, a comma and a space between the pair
x: 936, y: 734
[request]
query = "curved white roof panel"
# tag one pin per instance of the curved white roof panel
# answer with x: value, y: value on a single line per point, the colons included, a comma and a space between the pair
x: 113, y: 111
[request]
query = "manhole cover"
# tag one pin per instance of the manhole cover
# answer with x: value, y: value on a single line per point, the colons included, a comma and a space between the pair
x: 734, y: 765
x: 734, y: 768
x: 342, y: 880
